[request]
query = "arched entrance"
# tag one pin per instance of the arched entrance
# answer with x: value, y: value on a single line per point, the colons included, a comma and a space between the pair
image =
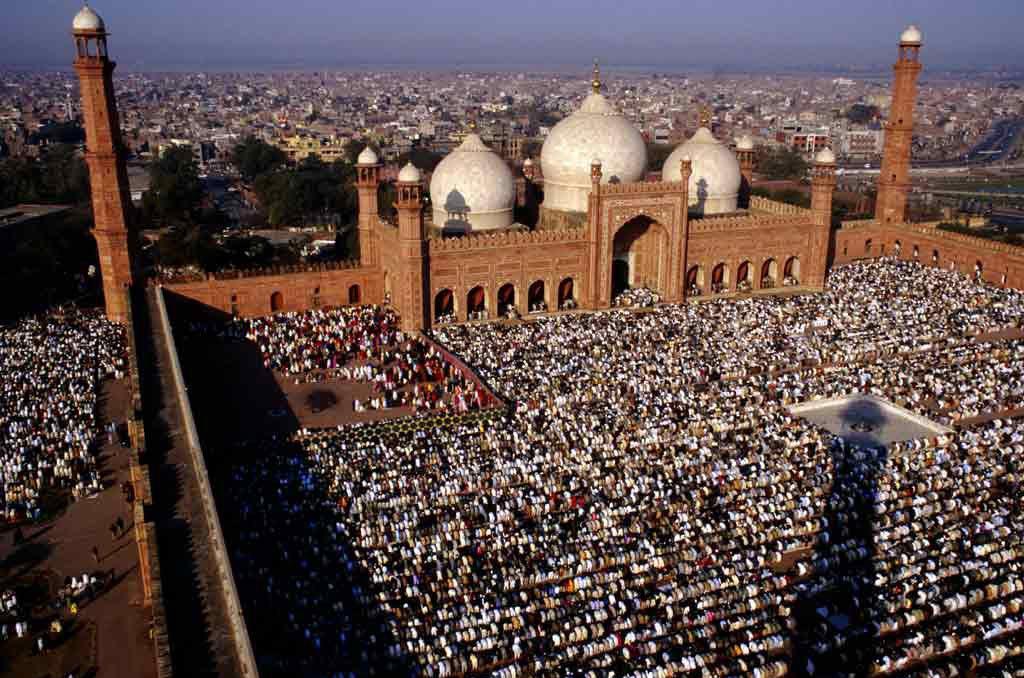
x: 720, y: 278
x: 695, y: 281
x: 444, y: 305
x: 276, y: 302
x: 743, y: 276
x: 506, y: 298
x: 476, y: 303
x: 791, y: 271
x: 935, y: 257
x: 565, y: 294
x: 355, y: 296
x: 639, y: 256
x: 769, y: 274
x: 536, y: 297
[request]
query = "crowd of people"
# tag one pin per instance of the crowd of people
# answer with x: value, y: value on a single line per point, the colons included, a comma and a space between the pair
x: 51, y: 368
x: 357, y: 344
x: 649, y: 505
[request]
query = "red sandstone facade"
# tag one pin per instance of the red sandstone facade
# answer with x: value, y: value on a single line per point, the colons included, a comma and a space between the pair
x: 633, y: 235
x: 107, y: 172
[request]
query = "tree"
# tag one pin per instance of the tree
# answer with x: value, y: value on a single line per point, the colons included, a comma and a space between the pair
x: 313, y: 190
x: 862, y: 114
x: 174, y: 187
x: 59, y: 175
x: 780, y: 163
x: 255, y: 157
x: 422, y: 158
x: 657, y: 154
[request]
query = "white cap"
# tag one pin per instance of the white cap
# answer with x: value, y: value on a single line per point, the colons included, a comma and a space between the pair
x: 911, y: 36
x: 367, y: 157
x: 410, y: 174
x: 595, y: 161
x: 825, y: 157
x: 88, y: 20
x: 528, y: 162
x: 745, y: 143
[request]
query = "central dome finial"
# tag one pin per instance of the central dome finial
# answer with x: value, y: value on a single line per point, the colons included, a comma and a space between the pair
x: 595, y: 84
x: 705, y: 117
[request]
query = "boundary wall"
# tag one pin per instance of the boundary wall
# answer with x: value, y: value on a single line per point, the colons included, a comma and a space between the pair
x: 997, y: 263
x: 232, y: 604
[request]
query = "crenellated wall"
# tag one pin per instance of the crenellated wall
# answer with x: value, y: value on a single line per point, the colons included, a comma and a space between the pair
x: 255, y: 293
x: 1001, y: 264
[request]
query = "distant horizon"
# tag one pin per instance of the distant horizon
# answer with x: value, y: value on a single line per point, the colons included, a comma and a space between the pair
x: 748, y: 36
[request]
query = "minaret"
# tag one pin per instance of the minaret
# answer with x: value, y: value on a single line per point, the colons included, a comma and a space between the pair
x: 823, y: 184
x: 368, y: 172
x: 105, y: 158
x: 745, y: 156
x: 411, y: 299
x: 894, y: 180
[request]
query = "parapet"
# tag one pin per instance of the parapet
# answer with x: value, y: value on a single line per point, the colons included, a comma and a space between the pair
x: 478, y: 241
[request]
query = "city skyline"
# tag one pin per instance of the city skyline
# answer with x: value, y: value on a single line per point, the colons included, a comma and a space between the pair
x: 315, y: 34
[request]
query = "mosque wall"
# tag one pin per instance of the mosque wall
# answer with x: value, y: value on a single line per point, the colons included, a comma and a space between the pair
x: 763, y: 251
x: 257, y: 293
x: 537, y: 261
x: 1001, y: 264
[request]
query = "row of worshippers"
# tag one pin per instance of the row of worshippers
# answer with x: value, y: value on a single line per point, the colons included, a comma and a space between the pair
x: 643, y: 510
x: 869, y: 310
x: 52, y: 367
x: 357, y: 343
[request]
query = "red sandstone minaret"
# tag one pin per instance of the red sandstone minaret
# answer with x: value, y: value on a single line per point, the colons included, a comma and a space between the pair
x: 894, y: 180
x: 368, y: 171
x: 823, y: 185
x: 105, y: 157
x: 411, y: 302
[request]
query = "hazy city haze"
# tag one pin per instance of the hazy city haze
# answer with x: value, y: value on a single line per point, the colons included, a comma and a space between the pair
x: 743, y: 34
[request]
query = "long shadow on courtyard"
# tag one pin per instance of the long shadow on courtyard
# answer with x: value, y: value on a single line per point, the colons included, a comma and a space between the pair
x: 835, y: 633
x: 309, y: 606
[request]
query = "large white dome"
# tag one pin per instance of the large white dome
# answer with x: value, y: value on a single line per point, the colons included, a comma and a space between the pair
x: 88, y: 20
x: 594, y: 132
x: 715, y: 180
x: 472, y: 189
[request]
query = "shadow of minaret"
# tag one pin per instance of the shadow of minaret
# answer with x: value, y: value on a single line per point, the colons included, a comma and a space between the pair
x: 836, y: 630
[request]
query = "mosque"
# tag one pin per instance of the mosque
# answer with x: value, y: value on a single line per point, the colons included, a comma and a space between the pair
x: 601, y: 229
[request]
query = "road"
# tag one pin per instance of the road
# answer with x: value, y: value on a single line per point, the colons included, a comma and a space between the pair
x: 995, y: 147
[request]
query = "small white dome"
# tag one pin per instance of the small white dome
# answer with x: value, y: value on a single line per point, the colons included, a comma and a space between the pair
x: 410, y: 174
x: 911, y: 36
x: 88, y: 20
x: 472, y: 188
x: 715, y: 179
x: 745, y: 143
x: 825, y: 157
x: 595, y: 130
x: 367, y: 157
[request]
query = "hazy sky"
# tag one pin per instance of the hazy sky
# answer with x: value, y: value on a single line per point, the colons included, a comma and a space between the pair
x: 733, y: 34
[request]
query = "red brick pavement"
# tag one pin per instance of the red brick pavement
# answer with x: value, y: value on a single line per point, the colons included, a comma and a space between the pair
x: 124, y: 648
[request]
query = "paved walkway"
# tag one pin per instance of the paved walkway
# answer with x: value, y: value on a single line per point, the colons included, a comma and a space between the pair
x: 201, y: 642
x: 122, y: 624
